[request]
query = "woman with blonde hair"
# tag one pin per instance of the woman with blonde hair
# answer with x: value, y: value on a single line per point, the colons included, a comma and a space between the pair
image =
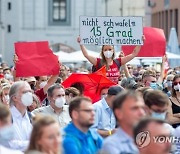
x: 108, y: 59
x: 45, y: 136
x: 4, y: 94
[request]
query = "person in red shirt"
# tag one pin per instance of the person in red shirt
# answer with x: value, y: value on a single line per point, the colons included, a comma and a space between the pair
x: 108, y: 59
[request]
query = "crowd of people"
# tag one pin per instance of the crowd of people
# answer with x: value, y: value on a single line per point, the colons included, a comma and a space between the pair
x: 38, y: 115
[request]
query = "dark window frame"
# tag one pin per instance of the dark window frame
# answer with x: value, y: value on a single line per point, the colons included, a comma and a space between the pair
x: 62, y: 22
x: 9, y: 6
x: 9, y: 28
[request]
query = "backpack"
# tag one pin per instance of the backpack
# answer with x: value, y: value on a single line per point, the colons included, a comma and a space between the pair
x: 99, y: 65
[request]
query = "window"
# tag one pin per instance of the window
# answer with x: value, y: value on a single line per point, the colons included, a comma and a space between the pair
x: 166, y: 23
x: 9, y: 5
x: 171, y: 18
x: 166, y: 3
x: 8, y: 28
x: 59, y: 12
x: 176, y: 20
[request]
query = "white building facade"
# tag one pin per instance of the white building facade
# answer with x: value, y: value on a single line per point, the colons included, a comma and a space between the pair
x: 56, y: 21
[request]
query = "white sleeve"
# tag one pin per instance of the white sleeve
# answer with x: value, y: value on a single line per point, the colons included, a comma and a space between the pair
x: 19, y: 145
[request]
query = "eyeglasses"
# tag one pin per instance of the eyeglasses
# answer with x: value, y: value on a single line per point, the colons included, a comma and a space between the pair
x: 153, y: 81
x: 175, y: 83
x: 86, y: 110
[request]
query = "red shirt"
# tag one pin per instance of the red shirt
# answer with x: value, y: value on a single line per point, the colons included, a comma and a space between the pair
x: 113, y: 72
x: 40, y: 93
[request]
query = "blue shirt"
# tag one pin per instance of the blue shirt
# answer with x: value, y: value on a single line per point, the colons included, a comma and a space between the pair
x: 119, y: 143
x: 78, y: 142
x: 104, y: 116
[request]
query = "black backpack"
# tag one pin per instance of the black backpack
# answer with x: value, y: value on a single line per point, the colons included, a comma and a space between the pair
x: 99, y: 65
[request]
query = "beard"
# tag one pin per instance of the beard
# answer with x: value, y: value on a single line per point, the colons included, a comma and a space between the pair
x: 86, y: 124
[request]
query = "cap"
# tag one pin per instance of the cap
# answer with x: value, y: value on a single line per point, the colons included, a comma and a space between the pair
x: 114, y: 90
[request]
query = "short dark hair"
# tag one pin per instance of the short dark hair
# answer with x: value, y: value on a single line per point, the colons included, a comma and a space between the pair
x: 51, y: 89
x: 79, y: 86
x: 155, y: 97
x: 143, y: 124
x: 121, y: 97
x: 71, y: 90
x: 4, y: 112
x: 75, y: 103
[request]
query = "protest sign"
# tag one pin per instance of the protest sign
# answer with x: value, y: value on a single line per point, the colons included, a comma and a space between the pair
x: 35, y: 59
x: 154, y: 45
x: 111, y: 30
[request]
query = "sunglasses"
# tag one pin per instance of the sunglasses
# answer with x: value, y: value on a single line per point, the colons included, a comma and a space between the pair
x: 176, y: 83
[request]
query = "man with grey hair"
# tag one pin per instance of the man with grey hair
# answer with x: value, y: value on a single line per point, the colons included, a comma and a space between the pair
x: 20, y: 97
x: 57, y: 107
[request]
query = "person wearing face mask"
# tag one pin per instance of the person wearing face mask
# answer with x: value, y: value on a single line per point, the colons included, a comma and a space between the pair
x: 42, y: 82
x: 4, y: 94
x: 6, y: 131
x: 157, y: 104
x: 7, y: 74
x: 174, y: 108
x: 149, y: 80
x: 168, y: 84
x: 57, y: 107
x: 108, y: 60
x: 20, y: 97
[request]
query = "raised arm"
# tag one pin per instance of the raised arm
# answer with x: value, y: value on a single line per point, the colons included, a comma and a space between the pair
x: 135, y: 52
x: 164, y: 58
x: 15, y: 59
x: 126, y: 71
x: 91, y: 59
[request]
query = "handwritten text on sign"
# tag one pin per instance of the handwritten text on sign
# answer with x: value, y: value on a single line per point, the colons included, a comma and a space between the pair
x: 111, y: 30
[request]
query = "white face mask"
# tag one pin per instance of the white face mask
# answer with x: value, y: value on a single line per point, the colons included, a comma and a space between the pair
x: 60, y: 101
x: 6, y: 98
x: 42, y: 84
x: 27, y: 99
x: 8, y: 76
x: 177, y: 87
x: 108, y: 54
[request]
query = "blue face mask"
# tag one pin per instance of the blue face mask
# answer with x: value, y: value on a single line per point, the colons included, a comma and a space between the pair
x: 6, y: 134
x: 160, y: 116
x: 169, y: 83
x: 153, y: 85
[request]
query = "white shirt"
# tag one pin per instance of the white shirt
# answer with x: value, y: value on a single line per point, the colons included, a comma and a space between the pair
x: 4, y: 150
x: 22, y: 127
x: 63, y: 118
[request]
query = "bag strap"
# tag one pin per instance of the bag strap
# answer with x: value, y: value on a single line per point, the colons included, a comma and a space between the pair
x: 117, y: 63
x: 99, y: 64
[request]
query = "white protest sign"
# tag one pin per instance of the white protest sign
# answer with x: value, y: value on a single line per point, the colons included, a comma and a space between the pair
x: 111, y: 30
